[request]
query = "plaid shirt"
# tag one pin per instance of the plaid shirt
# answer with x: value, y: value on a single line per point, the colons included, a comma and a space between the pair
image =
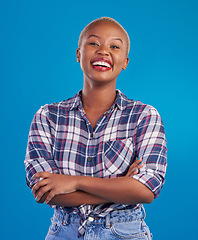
x: 61, y: 140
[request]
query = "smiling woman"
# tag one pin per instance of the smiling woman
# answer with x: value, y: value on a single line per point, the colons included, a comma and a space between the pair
x: 98, y: 156
x: 102, y: 53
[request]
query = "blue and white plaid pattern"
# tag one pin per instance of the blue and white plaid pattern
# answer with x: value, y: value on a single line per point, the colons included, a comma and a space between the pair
x: 61, y: 140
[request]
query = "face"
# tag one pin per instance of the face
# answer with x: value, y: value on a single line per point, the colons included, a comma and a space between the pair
x: 103, y: 52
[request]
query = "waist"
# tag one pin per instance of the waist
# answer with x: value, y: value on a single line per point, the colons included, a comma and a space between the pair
x: 114, y: 216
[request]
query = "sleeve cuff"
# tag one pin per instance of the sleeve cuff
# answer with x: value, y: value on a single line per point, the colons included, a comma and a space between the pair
x: 38, y: 165
x: 150, y: 179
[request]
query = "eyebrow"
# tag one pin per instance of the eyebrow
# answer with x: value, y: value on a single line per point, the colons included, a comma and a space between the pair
x: 93, y: 35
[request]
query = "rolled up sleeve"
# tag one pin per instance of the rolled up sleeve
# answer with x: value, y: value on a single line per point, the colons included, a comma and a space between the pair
x: 151, y: 146
x: 39, y: 155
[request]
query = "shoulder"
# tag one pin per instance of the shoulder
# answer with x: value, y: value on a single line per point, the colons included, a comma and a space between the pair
x: 137, y: 110
x: 57, y: 109
x: 136, y: 106
x: 145, y: 109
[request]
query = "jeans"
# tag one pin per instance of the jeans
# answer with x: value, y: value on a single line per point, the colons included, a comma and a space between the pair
x: 119, y: 224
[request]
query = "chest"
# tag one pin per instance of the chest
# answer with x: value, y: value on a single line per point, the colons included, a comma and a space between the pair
x: 93, y: 117
x: 106, y: 151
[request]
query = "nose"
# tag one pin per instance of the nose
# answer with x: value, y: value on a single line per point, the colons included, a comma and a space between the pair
x: 103, y: 50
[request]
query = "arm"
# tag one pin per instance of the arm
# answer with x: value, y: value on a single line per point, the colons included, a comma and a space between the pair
x: 125, y: 190
x: 75, y: 198
x: 151, y: 146
x: 39, y: 156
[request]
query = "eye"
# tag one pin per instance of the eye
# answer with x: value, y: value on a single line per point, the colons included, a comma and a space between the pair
x: 93, y: 44
x: 115, y: 47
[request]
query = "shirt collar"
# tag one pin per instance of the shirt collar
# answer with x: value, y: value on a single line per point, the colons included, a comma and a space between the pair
x: 76, y: 101
x: 120, y: 102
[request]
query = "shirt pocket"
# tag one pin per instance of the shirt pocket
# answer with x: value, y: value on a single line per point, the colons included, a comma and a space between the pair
x: 117, y: 157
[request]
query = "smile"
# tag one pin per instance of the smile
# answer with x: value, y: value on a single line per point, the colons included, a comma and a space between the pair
x: 101, y: 64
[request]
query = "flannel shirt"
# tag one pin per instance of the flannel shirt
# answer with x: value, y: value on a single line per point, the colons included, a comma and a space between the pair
x: 61, y: 140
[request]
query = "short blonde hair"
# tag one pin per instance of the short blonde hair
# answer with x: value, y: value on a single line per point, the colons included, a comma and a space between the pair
x: 104, y: 19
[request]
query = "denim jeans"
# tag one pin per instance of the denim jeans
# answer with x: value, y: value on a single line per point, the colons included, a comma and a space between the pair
x: 119, y: 224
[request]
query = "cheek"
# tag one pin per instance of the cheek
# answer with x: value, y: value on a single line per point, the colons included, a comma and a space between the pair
x: 124, y: 60
x: 83, y: 58
x: 120, y: 62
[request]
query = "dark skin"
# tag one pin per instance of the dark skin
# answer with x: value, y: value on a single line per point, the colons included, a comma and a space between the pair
x: 106, y: 42
x: 79, y: 197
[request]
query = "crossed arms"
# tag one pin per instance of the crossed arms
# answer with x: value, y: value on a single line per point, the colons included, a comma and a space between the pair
x: 64, y: 190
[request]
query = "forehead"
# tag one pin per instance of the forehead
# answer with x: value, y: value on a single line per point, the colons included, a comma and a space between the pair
x: 105, y: 29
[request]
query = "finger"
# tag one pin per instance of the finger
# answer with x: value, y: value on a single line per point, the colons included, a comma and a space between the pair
x: 39, y: 185
x: 50, y: 196
x: 136, y: 163
x: 140, y: 165
x: 138, y: 160
x: 134, y: 168
x: 41, y: 175
x: 43, y: 198
x: 128, y: 174
x: 41, y: 192
x: 133, y: 172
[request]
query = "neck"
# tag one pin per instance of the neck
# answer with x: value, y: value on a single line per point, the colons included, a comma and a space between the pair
x: 98, y: 98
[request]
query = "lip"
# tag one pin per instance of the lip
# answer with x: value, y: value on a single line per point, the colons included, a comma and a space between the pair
x: 99, y: 68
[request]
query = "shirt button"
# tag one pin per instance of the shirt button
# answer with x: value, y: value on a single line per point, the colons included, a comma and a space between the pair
x: 91, y: 135
x: 90, y: 219
x: 89, y: 159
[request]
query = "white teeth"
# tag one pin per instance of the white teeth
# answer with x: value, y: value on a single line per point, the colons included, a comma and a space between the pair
x: 105, y: 64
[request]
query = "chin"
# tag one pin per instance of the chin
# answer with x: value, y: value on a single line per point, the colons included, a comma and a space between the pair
x: 103, y: 80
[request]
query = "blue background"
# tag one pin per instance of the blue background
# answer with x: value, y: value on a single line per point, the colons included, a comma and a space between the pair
x: 38, y: 65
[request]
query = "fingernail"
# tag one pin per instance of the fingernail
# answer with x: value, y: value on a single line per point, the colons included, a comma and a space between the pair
x: 140, y: 163
x: 135, y: 169
x: 36, y: 199
x: 32, y: 178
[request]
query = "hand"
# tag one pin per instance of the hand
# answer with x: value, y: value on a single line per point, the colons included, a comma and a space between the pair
x: 53, y: 184
x: 134, y: 168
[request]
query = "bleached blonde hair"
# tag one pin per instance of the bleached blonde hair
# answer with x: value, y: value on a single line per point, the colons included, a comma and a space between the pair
x: 104, y: 19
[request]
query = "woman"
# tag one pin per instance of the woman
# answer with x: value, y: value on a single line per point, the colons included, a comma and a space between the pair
x: 96, y: 157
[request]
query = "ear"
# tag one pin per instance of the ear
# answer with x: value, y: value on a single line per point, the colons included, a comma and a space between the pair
x: 78, y: 54
x: 126, y: 61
